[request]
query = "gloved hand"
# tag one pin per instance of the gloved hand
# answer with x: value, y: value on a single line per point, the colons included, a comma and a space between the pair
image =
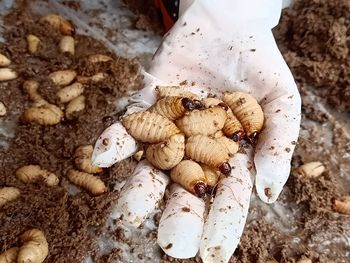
x: 214, y: 47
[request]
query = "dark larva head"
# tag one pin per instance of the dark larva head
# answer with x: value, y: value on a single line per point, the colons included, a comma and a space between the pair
x: 191, y: 104
x: 238, y: 136
x: 224, y: 106
x: 200, y: 189
x: 253, y: 137
x: 225, y: 168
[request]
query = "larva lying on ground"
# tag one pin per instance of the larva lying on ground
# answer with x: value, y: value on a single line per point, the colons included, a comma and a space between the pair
x: 67, y: 45
x: 87, y: 181
x: 174, y: 91
x: 63, y: 77
x: 206, y: 122
x: 96, y: 58
x: 232, y: 127
x: 205, y: 150
x: 165, y: 155
x: 59, y: 23
x: 82, y: 159
x: 311, y: 169
x: 3, y: 109
x: 7, y: 74
x: 174, y: 107
x: 94, y: 78
x: 212, y: 176
x: 342, y: 204
x: 190, y: 176
x: 70, y: 92
x: 248, y: 112
x: 8, y: 194
x: 31, y: 87
x: 9, y: 256
x: 33, y: 173
x: 47, y: 114
x: 33, y: 43
x: 34, y: 247
x: 149, y: 127
x: 4, y: 61
x: 75, y: 105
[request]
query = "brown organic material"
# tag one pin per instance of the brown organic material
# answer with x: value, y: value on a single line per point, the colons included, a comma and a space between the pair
x: 8, y: 194
x: 82, y: 158
x: 74, y: 106
x: 33, y: 43
x: 7, y: 74
x: 190, y: 175
x: 174, y: 91
x: 59, y: 23
x: 342, y: 204
x: 4, y: 61
x: 67, y: 45
x: 205, y: 150
x: 171, y: 107
x: 63, y: 77
x: 149, y: 127
x: 70, y: 92
x: 206, y: 122
x: 9, y: 256
x: 89, y: 182
x: 34, y: 173
x: 47, y: 114
x: 34, y: 247
x: 247, y: 110
x: 167, y: 154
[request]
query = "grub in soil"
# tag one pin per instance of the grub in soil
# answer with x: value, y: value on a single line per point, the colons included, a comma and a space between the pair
x: 70, y: 222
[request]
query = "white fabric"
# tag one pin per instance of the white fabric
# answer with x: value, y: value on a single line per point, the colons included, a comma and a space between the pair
x: 227, y: 45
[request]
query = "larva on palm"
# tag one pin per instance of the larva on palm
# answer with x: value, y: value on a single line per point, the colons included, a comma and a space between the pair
x: 206, y: 122
x: 174, y: 91
x: 149, y: 127
x: 190, y: 176
x: 166, y: 155
x: 174, y: 107
x: 248, y: 112
x: 232, y: 127
x: 206, y: 150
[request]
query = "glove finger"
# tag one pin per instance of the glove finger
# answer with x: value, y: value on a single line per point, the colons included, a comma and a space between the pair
x: 181, y: 225
x: 140, y: 194
x: 113, y: 145
x: 277, y: 140
x: 225, y: 223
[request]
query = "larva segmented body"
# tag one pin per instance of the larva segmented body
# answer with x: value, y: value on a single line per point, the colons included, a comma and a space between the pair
x: 82, y: 159
x: 247, y: 110
x: 206, y: 150
x: 232, y: 127
x: 87, y: 181
x: 9, y: 256
x: 212, y: 176
x: 174, y: 107
x: 190, y: 175
x: 166, y: 155
x: 8, y: 194
x: 229, y: 145
x: 311, y: 169
x: 59, y: 23
x: 46, y: 114
x: 34, y: 173
x: 4, y: 61
x: 149, y: 127
x: 35, y: 247
x: 174, y: 91
x: 206, y: 122
x: 342, y: 204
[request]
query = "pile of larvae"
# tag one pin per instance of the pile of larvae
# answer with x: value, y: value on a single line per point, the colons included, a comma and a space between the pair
x: 192, y: 138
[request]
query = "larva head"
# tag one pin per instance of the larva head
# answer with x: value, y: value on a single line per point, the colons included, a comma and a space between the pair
x: 253, y: 137
x: 191, y: 104
x: 224, y: 106
x: 238, y: 136
x: 225, y: 168
x: 200, y: 189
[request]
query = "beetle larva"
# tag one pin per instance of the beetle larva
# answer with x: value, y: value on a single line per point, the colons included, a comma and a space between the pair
x: 342, y: 204
x: 229, y: 145
x: 232, y: 127
x: 9, y: 255
x: 190, y: 176
x: 149, y: 127
x: 203, y: 149
x: 212, y: 176
x: 8, y: 194
x: 82, y: 159
x: 248, y: 112
x: 166, y: 155
x: 89, y: 182
x: 311, y: 169
x: 206, y: 122
x: 174, y: 107
x: 174, y: 91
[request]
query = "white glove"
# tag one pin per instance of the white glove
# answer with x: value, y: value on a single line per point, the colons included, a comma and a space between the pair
x: 214, y: 47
